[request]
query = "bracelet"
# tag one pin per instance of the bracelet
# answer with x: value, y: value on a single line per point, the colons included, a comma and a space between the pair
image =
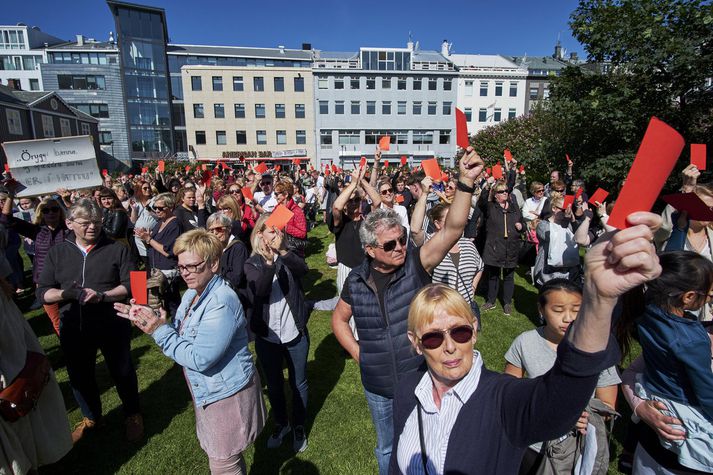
x: 465, y: 188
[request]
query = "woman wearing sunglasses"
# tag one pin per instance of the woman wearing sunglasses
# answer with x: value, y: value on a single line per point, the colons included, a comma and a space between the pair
x: 460, y: 417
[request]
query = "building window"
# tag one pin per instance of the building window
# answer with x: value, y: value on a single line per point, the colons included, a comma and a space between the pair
x: 513, y: 89
x: 261, y: 137
x: 444, y: 137
x: 499, y: 88
x: 238, y: 84
x: 86, y: 129
x: 348, y: 137
x: 200, y: 137
x: 385, y: 83
x: 300, y: 137
x: 511, y: 114
x: 279, y: 111
x: 497, y: 115
x: 219, y: 111
x: 323, y: 83
x: 417, y: 108
x: 534, y: 91
x: 356, y: 107
x: 339, y: 107
x: 468, y: 114
x: 370, y: 107
x: 99, y: 111
x: 325, y: 138
x: 47, y: 126
x: 299, y: 84
x: 417, y: 82
x: 401, y: 84
x: 338, y: 83
x: 258, y: 84
x: 401, y: 108
x: 34, y: 84
x: 279, y: 83
x: 386, y: 107
x: 220, y: 137
x: 198, y: 111
x: 447, y: 108
x: 65, y: 128
x: 105, y: 138
x: 239, y: 111
x: 241, y: 137
x: 482, y: 115
x: 14, y: 121
x: 447, y: 84
x: 81, y: 82
x: 196, y: 84
x: 483, y: 88
x: 259, y: 111
x: 324, y: 107
x: 371, y: 83
x: 281, y: 136
x: 299, y: 111
x: 421, y: 137
x: 401, y: 136
x: 432, y: 84
x: 468, y: 88
x: 432, y: 106
x: 218, y: 84
x: 354, y: 83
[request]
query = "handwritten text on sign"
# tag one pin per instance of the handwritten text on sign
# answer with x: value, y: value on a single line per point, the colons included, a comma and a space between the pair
x: 47, y: 164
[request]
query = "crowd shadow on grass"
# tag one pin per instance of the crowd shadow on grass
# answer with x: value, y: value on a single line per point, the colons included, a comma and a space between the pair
x: 325, y: 289
x: 109, y: 440
x: 526, y: 303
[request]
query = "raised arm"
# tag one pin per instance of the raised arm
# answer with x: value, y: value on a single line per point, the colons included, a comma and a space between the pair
x: 372, y: 194
x: 343, y: 198
x: 419, y: 213
x: 375, y: 169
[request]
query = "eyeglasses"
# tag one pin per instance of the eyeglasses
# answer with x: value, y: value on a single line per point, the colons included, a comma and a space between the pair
x: 234, y: 191
x: 218, y: 229
x: 387, y: 191
x: 541, y: 190
x: 434, y: 339
x: 86, y: 224
x: 190, y: 268
x: 389, y: 246
x: 498, y: 192
x: 53, y: 209
x: 157, y: 208
x: 558, y: 190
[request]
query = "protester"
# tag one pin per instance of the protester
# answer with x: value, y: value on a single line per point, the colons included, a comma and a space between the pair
x: 115, y: 218
x: 141, y: 216
x: 558, y: 252
x: 296, y: 228
x: 235, y: 253
x: 265, y: 200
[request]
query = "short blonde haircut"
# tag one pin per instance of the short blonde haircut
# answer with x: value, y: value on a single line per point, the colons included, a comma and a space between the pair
x: 435, y: 297
x: 201, y: 242
x: 168, y: 200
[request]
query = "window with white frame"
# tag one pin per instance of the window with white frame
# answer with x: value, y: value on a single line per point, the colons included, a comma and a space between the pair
x: 47, y: 126
x: 417, y: 108
x: 14, y: 121
x: 339, y: 107
x: 385, y: 83
x: 65, y: 127
x: 401, y: 108
x: 354, y: 82
x: 348, y: 137
x: 261, y: 136
x: 339, y: 83
x: 497, y: 114
x: 498, y: 88
x: 281, y: 136
x: 447, y: 108
x: 422, y: 137
x: 444, y: 137
x: 324, y: 107
x: 483, y: 88
x: 301, y: 137
x: 86, y: 129
x: 325, y: 138
x: 482, y: 114
x: 432, y: 106
x: 356, y: 108
x: 468, y: 89
x: 386, y: 107
x: 220, y: 137
x: 511, y: 113
x: 299, y: 111
x: 513, y: 89
x: 468, y: 114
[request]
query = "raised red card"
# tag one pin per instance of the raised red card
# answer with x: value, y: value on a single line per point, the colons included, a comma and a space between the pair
x: 261, y: 168
x: 385, y: 143
x: 386, y: 164
x: 7, y: 167
x: 488, y: 171
x: 161, y: 166
x: 698, y: 155
x: 431, y: 168
x: 204, y: 167
x: 224, y: 166
x: 334, y: 168
x: 279, y: 217
x: 139, y: 290
x: 522, y: 168
x: 568, y: 201
x: 362, y: 162
x: 579, y: 192
x: 444, y: 177
x: 462, y: 138
x: 296, y: 161
x: 507, y: 155
x: 692, y: 204
x: 278, y: 168
x: 403, y: 160
x: 498, y: 171
x: 188, y: 168
x: 654, y: 162
x: 247, y: 192
x: 598, y: 197
x: 144, y: 170
x: 105, y: 172
x: 569, y: 160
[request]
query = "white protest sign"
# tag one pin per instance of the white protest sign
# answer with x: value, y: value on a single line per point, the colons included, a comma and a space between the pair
x: 47, y: 164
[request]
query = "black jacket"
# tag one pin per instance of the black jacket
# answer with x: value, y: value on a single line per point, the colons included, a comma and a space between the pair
x: 232, y: 265
x: 502, y: 239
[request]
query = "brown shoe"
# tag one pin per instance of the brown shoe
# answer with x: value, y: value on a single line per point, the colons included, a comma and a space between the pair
x: 134, y: 428
x: 80, y: 430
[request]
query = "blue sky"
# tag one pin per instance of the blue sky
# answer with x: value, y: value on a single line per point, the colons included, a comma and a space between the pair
x: 511, y: 27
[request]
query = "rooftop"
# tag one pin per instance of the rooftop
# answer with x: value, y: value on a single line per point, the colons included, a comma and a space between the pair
x: 240, y: 51
x: 482, y: 61
x: 540, y: 62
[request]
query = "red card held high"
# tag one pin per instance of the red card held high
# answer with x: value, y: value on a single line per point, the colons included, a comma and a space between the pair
x: 498, y: 171
x: 188, y: 168
x: 698, y: 155
x: 579, y: 192
x: 161, y: 166
x: 139, y: 291
x: 461, y: 129
x: 507, y: 155
x: 431, y: 168
x: 691, y: 204
x: 105, y: 172
x: 386, y: 164
x: 568, y: 201
x: 385, y: 143
x: 598, y: 197
x: 279, y: 217
x: 261, y: 168
x: 654, y: 161
x: 247, y: 192
x: 403, y: 160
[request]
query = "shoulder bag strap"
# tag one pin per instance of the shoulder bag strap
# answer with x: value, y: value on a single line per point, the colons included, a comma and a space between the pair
x: 421, y: 439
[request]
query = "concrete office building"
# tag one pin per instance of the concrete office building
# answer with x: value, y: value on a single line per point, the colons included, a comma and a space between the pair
x: 87, y: 75
x: 250, y: 112
x: 406, y: 93
x: 21, y: 53
x: 491, y: 89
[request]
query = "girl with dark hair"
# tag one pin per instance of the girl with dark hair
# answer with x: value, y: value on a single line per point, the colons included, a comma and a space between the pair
x: 533, y: 354
x: 115, y: 217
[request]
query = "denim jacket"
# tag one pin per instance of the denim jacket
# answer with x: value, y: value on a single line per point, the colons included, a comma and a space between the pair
x: 210, y: 342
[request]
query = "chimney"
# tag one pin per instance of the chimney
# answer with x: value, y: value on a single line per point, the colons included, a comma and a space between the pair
x: 111, y: 37
x: 445, y: 48
x: 80, y: 40
x: 558, y: 51
x: 573, y: 57
x: 306, y: 46
x: 282, y: 49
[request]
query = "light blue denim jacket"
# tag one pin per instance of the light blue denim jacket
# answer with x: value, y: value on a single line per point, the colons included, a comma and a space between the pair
x: 212, y: 344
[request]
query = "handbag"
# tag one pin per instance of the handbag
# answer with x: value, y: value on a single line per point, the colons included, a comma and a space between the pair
x: 21, y: 396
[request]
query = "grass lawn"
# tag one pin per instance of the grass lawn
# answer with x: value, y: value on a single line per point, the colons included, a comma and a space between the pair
x: 341, y: 438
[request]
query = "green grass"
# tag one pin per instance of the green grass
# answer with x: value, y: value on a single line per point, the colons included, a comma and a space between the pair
x: 341, y: 437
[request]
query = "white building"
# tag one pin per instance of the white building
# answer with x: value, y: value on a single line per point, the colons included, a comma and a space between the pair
x: 21, y: 52
x: 491, y: 89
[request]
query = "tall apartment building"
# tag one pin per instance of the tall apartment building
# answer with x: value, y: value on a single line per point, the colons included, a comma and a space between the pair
x: 250, y: 112
x: 21, y: 53
x: 406, y: 93
x: 491, y: 89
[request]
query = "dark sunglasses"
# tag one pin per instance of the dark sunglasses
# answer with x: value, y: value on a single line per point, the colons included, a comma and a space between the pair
x: 434, y: 339
x: 558, y: 190
x: 158, y: 208
x: 501, y: 191
x: 387, y: 191
x: 389, y: 246
x: 234, y: 191
x: 53, y: 209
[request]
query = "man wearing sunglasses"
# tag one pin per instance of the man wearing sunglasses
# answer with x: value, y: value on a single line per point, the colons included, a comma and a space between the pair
x: 265, y: 200
x: 378, y: 292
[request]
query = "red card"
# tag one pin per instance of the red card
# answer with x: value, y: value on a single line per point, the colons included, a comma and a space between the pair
x: 498, y: 171
x: 404, y: 160
x: 296, y: 161
x: 327, y: 172
x: 579, y: 192
x: 385, y: 143
x: 488, y: 171
x: 278, y: 168
x: 161, y: 166
x: 386, y: 164
x: 204, y: 167
x: 247, y: 192
x: 279, y: 217
x: 362, y: 162
x: 105, y: 172
x: 507, y: 155
x: 569, y: 160
x: 690, y: 203
x: 522, y: 168
x: 188, y: 168
x: 7, y: 167
x: 431, y: 168
x: 568, y: 201
x: 462, y: 138
x: 444, y: 177
x: 224, y: 166
x: 654, y: 161
x: 144, y: 170
x: 698, y: 155
x: 598, y: 197
x: 139, y: 290
x: 334, y: 168
x: 261, y: 168
x: 399, y: 198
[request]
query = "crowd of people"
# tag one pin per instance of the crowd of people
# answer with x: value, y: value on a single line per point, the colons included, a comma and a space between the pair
x: 412, y: 252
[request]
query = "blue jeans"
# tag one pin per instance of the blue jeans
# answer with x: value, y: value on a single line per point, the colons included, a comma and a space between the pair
x: 382, y: 415
x: 271, y: 355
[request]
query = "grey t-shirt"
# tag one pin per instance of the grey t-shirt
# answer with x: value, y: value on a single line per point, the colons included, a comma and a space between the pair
x: 531, y: 352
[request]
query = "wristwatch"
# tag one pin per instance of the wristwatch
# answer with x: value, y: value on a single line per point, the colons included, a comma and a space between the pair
x: 102, y: 296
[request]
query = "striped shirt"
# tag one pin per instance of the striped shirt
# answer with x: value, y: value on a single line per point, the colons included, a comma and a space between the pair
x: 437, y: 423
x: 469, y: 264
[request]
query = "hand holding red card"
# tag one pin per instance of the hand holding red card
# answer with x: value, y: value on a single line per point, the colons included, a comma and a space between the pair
x: 498, y: 171
x: 386, y: 164
x: 579, y: 192
x: 598, y: 197
x: 568, y: 201
x: 279, y: 218
x: 507, y: 155
x: 698, y: 155
x: 261, y: 168
x: 247, y: 193
x: 431, y: 168
x: 362, y: 162
x: 403, y: 160
x: 461, y: 129
x: 385, y: 143
x: 139, y: 290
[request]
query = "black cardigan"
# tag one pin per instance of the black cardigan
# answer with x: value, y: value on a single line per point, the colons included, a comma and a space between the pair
x: 505, y: 414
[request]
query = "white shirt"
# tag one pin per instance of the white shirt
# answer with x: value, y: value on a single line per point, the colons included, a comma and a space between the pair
x: 268, y: 202
x: 534, y: 206
x: 281, y: 326
x: 403, y: 214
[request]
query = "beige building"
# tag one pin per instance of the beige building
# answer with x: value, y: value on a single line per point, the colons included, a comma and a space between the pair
x: 250, y: 112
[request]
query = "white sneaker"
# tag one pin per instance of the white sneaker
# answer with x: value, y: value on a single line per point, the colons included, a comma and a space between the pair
x: 300, y: 439
x: 278, y: 434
